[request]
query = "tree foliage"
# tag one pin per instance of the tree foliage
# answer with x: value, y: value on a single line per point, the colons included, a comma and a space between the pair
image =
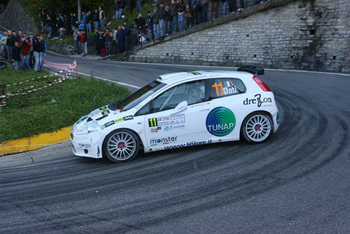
x: 67, y: 6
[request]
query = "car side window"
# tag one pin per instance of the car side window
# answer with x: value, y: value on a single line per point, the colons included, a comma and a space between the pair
x: 192, y: 92
x: 221, y: 87
x: 146, y: 109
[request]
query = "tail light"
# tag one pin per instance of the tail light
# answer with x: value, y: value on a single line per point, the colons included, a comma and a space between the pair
x: 261, y: 84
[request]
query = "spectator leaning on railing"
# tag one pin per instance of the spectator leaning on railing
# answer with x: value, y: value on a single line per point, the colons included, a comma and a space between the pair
x: 101, y: 17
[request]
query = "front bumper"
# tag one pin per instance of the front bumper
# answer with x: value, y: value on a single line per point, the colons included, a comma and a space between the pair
x: 87, y: 145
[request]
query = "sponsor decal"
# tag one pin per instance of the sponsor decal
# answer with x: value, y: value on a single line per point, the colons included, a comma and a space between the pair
x: 220, y: 121
x: 188, y: 144
x: 163, y: 141
x: 152, y: 122
x: 101, y: 111
x: 129, y: 117
x: 110, y: 123
x: 105, y: 110
x: 119, y: 120
x: 167, y: 128
x: 84, y: 146
x: 155, y: 130
x: 224, y: 88
x: 257, y: 100
x: 167, y: 120
x: 173, y: 127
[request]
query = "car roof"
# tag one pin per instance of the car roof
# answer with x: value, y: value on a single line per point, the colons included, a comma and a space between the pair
x: 171, y: 78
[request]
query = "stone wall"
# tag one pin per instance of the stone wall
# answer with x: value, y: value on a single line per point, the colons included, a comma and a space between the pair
x: 305, y: 34
x: 14, y: 17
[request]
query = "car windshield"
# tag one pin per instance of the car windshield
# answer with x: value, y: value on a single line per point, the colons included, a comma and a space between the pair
x: 137, y: 97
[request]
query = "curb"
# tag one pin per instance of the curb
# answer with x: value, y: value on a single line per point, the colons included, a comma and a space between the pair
x: 35, y: 142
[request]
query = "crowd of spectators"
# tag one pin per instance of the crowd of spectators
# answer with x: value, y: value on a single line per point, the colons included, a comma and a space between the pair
x: 24, y: 51
x: 166, y: 17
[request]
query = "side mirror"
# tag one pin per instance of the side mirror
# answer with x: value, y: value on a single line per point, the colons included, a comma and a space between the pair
x: 182, y: 106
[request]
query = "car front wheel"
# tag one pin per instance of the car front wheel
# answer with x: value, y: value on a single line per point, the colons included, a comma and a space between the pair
x: 121, y: 145
x: 257, y: 127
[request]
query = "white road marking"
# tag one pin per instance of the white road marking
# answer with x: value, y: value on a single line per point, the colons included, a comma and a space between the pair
x: 112, y: 81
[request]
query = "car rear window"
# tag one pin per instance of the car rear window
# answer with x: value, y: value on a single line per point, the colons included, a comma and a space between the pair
x: 221, y: 87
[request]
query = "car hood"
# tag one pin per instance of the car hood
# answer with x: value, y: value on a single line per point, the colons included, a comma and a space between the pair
x: 101, y: 113
x: 96, y: 115
x: 104, y: 117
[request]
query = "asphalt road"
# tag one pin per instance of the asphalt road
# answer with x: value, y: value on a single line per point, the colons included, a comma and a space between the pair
x: 298, y: 182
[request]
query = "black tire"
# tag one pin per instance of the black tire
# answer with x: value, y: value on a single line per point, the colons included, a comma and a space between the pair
x: 121, y: 145
x: 257, y: 127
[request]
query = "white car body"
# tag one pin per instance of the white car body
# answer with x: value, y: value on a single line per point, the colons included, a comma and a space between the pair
x: 215, y: 117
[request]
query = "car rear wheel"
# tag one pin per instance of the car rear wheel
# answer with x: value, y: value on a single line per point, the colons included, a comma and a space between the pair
x: 121, y: 145
x: 257, y: 127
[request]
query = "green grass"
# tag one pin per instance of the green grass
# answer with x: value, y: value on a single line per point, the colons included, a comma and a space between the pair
x: 52, y: 108
x: 67, y: 40
x: 130, y: 17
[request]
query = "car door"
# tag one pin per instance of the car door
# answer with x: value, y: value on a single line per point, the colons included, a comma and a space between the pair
x: 177, y: 117
x: 227, y: 95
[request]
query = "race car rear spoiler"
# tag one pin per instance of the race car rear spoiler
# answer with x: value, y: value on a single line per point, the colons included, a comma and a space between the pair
x: 252, y: 69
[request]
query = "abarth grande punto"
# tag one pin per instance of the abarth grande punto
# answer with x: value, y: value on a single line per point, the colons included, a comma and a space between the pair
x: 180, y: 110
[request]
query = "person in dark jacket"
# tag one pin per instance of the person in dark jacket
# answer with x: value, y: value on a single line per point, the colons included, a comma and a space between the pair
x: 89, y: 21
x: 10, y: 43
x: 161, y: 15
x: 181, y: 7
x: 96, y: 20
x: 215, y: 8
x: 119, y: 8
x: 31, y: 58
x: 168, y: 19
x: 155, y: 20
x: 16, y: 55
x: 141, y: 23
x: 73, y: 21
x: 39, y: 50
x: 195, y: 4
x: 127, y: 34
x: 102, y: 42
x: 97, y: 44
x: 121, y: 39
x: 174, y: 15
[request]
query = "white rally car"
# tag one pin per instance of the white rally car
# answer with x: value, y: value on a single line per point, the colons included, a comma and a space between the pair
x: 179, y: 110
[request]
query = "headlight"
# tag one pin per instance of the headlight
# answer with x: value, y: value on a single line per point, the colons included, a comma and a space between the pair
x: 87, y: 128
x: 92, y: 126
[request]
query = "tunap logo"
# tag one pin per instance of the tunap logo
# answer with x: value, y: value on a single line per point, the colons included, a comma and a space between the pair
x: 221, y: 121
